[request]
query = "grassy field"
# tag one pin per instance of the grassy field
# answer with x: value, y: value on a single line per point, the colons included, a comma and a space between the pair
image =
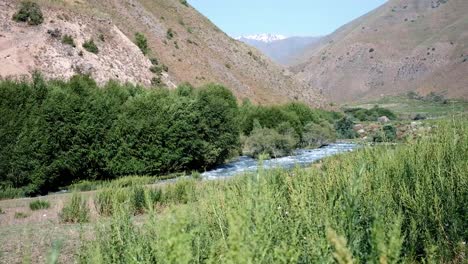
x: 388, y: 204
x: 406, y: 107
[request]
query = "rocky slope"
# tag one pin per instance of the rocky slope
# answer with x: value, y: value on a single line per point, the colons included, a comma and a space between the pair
x: 193, y: 49
x: 405, y: 45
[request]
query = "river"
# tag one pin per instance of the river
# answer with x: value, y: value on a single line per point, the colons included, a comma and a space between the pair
x: 301, y: 157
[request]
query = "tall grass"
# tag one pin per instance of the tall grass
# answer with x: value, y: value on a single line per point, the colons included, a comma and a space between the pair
x: 39, y: 205
x: 386, y: 204
x: 76, y: 211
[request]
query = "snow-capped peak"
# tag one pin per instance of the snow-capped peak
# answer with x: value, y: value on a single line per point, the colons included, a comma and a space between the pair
x: 267, y: 38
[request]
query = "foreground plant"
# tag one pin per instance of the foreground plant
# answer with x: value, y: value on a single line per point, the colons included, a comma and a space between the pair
x: 76, y: 211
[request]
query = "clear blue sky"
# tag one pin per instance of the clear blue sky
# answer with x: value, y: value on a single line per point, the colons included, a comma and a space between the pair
x: 286, y: 17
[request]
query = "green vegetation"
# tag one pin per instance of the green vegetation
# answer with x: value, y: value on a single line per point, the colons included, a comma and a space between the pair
x: 372, y: 114
x: 388, y: 204
x: 68, y: 40
x: 170, y: 33
x: 142, y: 43
x: 388, y: 134
x: 344, y: 128
x: 76, y: 211
x: 21, y: 215
x: 29, y: 12
x: 407, y: 108
x: 90, y: 46
x: 1, y: 211
x: 277, y: 130
x: 62, y: 132
x: 39, y: 205
x: 184, y: 2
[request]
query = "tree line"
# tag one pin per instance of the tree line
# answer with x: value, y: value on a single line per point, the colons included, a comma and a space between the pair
x: 58, y: 132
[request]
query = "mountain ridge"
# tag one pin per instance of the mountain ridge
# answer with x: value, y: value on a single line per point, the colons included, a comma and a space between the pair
x: 403, y: 45
x: 181, y: 40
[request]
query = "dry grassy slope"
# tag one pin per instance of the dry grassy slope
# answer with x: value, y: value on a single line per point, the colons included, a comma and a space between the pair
x: 401, y: 46
x: 198, y: 53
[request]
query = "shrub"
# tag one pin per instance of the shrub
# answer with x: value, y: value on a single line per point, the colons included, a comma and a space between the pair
x: 184, y: 2
x: 76, y: 211
x: 21, y: 215
x: 39, y: 205
x: 68, y: 40
x: 270, y: 141
x: 29, y: 12
x: 344, y: 128
x: 388, y: 134
x: 90, y: 46
x: 170, y: 33
x: 1, y: 211
x: 316, y: 135
x: 156, y: 69
x: 142, y: 43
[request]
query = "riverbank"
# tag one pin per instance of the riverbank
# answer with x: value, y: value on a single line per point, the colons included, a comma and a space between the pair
x: 405, y: 198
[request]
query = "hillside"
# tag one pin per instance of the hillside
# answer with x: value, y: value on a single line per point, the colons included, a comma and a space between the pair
x: 285, y: 50
x: 404, y: 45
x: 191, y: 47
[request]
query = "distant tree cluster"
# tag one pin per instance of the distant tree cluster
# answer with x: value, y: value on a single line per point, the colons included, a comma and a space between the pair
x: 58, y: 132
x: 372, y: 114
x: 278, y: 130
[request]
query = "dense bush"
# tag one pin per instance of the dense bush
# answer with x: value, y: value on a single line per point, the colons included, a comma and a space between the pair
x: 90, y: 46
x: 316, y: 135
x: 39, y: 205
x: 297, y: 115
x: 344, y: 128
x: 270, y: 141
x: 387, y: 134
x: 372, y: 114
x: 142, y: 43
x: 29, y: 12
x: 57, y: 133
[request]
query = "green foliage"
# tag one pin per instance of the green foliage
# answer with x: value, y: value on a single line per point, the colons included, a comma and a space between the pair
x: 76, y: 211
x: 68, y: 40
x: 11, y: 193
x: 372, y: 114
x: 388, y: 204
x: 316, y: 135
x: 344, y: 128
x: 270, y: 141
x: 1, y: 211
x: 21, y: 215
x: 388, y: 134
x: 170, y: 33
x: 184, y: 2
x: 29, y: 12
x: 142, y: 43
x: 90, y: 46
x: 58, y: 133
x: 39, y: 205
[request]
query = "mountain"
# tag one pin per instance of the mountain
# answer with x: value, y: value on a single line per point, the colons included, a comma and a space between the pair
x: 283, y: 50
x: 185, y: 46
x: 404, y: 45
x: 265, y: 38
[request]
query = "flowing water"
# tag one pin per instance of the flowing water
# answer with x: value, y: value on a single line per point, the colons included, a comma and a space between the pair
x: 301, y: 157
